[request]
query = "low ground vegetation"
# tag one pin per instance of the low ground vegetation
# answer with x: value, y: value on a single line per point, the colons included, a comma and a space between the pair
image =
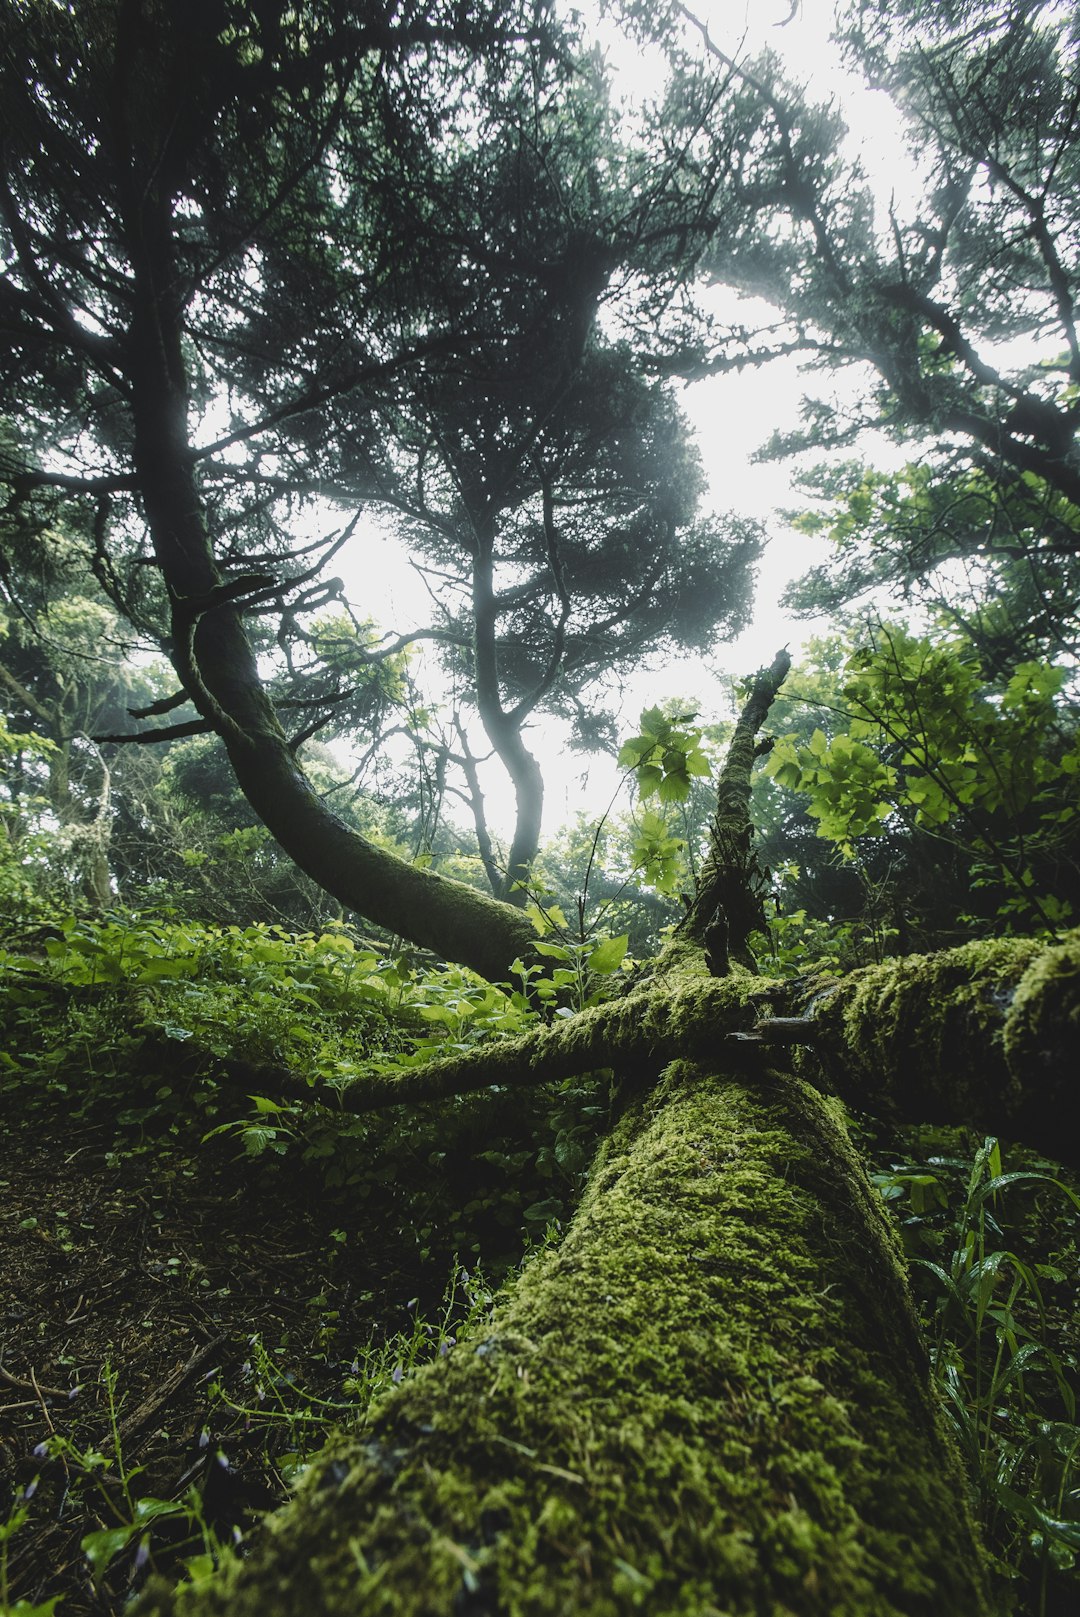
x: 207, y: 1282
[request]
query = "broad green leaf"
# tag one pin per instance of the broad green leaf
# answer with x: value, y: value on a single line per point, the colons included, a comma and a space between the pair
x: 609, y: 955
x: 674, y: 788
x: 103, y: 1546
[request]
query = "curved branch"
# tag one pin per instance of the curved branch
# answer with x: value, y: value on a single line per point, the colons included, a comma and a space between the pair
x: 642, y: 1031
x: 730, y: 880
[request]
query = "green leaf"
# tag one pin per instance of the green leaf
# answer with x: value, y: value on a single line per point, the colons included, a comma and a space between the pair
x: 674, y: 788
x: 609, y: 955
x: 103, y: 1546
x: 632, y: 752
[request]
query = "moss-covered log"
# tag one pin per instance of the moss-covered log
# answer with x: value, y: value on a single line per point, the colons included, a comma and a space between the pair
x: 986, y: 1035
x: 710, y: 1398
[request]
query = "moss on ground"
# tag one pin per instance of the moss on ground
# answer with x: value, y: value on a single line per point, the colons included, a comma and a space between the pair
x: 709, y: 1399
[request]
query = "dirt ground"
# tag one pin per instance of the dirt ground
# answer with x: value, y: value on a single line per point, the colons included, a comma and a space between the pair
x: 217, y: 1297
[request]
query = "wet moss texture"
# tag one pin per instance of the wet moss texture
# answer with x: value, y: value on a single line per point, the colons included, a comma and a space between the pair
x: 710, y: 1398
x: 984, y: 1035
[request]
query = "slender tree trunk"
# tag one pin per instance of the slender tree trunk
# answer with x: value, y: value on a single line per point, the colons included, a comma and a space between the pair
x: 217, y: 666
x: 503, y: 731
x: 728, y: 897
x: 479, y: 813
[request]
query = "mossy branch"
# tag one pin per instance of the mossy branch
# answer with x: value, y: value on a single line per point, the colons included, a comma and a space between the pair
x: 984, y: 1035
x: 730, y: 881
x: 643, y: 1030
x: 996, y: 1025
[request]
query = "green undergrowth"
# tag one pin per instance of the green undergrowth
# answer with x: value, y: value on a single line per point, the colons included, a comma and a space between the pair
x: 137, y: 1025
x: 993, y: 1240
x: 155, y: 1028
x: 132, y: 1534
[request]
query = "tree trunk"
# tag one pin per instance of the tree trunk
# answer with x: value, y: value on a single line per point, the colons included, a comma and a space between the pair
x: 216, y: 664
x: 985, y: 1035
x: 710, y: 1397
x: 503, y: 729
x: 728, y: 896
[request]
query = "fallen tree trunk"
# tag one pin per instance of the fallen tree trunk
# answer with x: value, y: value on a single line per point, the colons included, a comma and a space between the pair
x: 994, y: 1025
x: 985, y: 1035
x: 711, y: 1397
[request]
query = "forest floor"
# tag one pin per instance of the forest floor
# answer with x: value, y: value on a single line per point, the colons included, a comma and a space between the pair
x: 169, y: 1320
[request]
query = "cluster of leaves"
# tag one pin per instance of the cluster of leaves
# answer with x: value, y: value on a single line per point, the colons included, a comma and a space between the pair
x: 795, y: 944
x: 23, y: 847
x: 665, y: 757
x: 578, y: 973
x: 993, y: 1253
x: 904, y: 532
x: 930, y: 741
x: 103, y: 1486
x: 136, y: 994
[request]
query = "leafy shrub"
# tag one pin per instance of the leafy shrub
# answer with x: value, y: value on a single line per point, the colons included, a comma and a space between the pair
x: 993, y: 1257
x: 149, y: 1024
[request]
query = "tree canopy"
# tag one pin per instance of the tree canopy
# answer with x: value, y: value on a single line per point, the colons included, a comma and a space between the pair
x: 270, y: 272
x: 307, y: 254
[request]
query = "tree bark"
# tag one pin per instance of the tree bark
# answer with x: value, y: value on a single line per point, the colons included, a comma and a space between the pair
x: 731, y: 881
x: 984, y: 1035
x: 503, y: 730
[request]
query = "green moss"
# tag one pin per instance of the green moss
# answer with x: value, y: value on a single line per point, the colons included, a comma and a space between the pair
x: 984, y: 1035
x: 711, y: 1398
x: 683, y: 1011
x: 1041, y: 1037
x: 922, y: 1036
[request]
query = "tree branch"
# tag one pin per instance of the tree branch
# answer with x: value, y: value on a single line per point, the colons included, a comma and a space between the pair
x: 730, y: 880
x: 165, y: 732
x: 643, y: 1030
